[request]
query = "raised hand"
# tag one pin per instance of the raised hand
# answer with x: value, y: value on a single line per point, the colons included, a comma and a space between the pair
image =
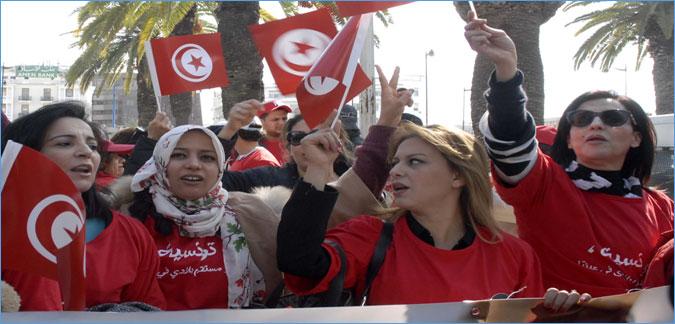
x: 320, y: 150
x: 392, y: 103
x: 241, y: 114
x: 494, y: 43
x: 159, y: 125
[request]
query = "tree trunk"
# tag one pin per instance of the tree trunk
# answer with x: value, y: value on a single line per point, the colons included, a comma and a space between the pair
x: 145, y: 96
x: 181, y: 104
x: 521, y: 21
x: 661, y: 50
x: 244, y: 64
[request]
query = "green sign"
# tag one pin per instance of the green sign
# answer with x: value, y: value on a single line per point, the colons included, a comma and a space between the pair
x: 37, y: 71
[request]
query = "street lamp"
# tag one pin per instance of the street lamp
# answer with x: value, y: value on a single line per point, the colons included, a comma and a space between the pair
x: 426, y: 86
x: 464, y: 105
x: 625, y: 78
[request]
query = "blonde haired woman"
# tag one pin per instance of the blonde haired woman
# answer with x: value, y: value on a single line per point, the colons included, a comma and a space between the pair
x: 445, y: 245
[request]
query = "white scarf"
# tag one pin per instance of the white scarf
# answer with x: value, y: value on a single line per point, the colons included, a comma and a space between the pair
x: 203, y: 217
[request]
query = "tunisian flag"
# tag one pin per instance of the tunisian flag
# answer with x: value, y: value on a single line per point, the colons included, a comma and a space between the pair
x: 43, y: 219
x: 185, y: 63
x: 352, y: 8
x: 292, y: 45
x: 336, y: 77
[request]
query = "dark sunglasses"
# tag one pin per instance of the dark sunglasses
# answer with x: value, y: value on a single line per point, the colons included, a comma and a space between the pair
x: 294, y: 137
x: 612, y: 118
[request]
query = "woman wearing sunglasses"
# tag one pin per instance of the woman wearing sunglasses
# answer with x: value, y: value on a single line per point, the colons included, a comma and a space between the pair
x: 585, y: 210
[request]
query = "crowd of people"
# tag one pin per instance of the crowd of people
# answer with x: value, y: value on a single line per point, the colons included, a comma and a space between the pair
x: 195, y: 217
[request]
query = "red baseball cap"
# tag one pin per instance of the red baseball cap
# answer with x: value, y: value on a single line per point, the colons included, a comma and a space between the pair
x: 271, y: 106
x: 546, y: 134
x: 123, y: 149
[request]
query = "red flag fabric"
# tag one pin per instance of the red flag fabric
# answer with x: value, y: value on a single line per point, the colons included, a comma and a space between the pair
x: 352, y: 8
x: 292, y: 45
x: 185, y: 63
x: 43, y: 220
x: 336, y: 77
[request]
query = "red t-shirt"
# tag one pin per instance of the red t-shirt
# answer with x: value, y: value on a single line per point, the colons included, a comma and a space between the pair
x: 415, y: 272
x: 276, y: 147
x: 121, y: 265
x: 259, y: 157
x: 660, y: 269
x: 37, y: 293
x: 192, y: 271
x: 588, y: 241
x: 120, y: 262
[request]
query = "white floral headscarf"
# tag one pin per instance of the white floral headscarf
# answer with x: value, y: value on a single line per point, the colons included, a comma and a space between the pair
x: 204, y: 216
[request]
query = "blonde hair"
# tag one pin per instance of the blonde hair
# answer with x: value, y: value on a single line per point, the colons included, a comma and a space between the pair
x: 466, y: 156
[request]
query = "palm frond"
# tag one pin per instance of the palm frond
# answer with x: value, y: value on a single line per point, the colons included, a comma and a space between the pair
x: 289, y: 8
x: 266, y: 15
x: 618, y: 26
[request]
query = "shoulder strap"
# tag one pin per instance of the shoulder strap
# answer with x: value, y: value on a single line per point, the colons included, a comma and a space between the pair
x: 334, y: 292
x: 377, y: 259
x: 330, y: 297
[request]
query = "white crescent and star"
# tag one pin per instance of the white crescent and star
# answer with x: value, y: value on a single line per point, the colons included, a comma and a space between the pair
x: 192, y: 63
x: 296, y: 50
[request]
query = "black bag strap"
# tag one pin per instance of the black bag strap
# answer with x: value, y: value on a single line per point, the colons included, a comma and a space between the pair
x: 272, y: 300
x: 377, y: 259
x: 332, y: 296
x: 334, y: 292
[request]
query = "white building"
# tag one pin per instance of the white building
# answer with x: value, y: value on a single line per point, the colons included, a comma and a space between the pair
x: 26, y: 88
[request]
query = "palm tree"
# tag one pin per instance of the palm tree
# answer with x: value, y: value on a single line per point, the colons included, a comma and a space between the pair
x: 649, y: 25
x: 521, y: 20
x: 244, y: 64
x: 113, y: 35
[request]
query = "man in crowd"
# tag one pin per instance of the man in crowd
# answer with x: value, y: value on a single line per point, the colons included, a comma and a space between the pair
x: 350, y: 123
x: 247, y: 153
x: 274, y: 116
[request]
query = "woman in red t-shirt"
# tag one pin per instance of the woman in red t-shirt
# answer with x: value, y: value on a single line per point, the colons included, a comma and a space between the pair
x: 445, y: 246
x: 586, y: 210
x: 120, y: 260
x: 206, y: 258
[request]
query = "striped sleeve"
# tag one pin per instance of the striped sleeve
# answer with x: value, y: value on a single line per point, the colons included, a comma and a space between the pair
x: 509, y: 130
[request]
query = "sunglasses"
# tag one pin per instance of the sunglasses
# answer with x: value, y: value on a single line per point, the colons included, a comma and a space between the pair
x: 294, y: 137
x: 612, y: 118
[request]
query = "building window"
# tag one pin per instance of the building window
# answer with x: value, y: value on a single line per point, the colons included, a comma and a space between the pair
x: 25, y: 94
x: 46, y: 94
x: 25, y: 109
x: 69, y: 93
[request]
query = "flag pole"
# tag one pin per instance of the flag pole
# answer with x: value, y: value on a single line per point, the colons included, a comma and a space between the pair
x: 153, y: 73
x: 353, y: 59
x: 475, y: 13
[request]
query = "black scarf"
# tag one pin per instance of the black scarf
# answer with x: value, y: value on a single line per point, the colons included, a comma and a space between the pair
x: 608, y: 182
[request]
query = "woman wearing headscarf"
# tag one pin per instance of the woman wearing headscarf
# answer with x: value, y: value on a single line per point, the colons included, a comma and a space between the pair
x: 207, y: 257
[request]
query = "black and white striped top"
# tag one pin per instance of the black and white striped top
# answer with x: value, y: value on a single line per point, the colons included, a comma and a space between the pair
x: 509, y: 130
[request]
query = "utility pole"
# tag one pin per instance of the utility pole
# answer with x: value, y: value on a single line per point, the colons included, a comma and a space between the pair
x: 426, y: 86
x: 367, y: 106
